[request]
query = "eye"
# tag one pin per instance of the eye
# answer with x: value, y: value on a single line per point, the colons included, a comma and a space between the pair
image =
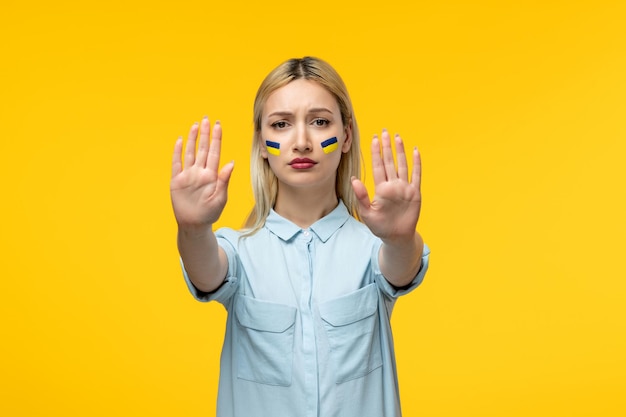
x: 279, y: 125
x: 321, y: 122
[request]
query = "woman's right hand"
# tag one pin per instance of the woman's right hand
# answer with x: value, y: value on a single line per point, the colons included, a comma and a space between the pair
x: 198, y: 190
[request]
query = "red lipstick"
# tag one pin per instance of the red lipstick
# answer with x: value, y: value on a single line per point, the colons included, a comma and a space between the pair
x: 302, y: 163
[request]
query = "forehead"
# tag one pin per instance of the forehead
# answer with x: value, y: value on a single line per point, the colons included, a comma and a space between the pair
x: 300, y: 95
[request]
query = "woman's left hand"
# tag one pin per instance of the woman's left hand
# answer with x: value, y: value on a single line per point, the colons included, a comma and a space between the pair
x: 393, y: 213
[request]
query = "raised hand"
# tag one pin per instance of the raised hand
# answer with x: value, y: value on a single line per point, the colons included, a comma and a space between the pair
x: 393, y: 213
x: 198, y: 190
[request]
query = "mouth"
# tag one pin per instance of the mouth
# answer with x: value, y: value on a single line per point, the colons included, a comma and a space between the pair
x: 302, y: 163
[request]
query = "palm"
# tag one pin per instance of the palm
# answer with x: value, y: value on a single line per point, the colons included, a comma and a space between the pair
x: 199, y: 191
x: 394, y: 211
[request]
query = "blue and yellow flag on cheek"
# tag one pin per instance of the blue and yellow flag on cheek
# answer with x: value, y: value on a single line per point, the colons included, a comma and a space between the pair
x: 272, y: 147
x: 330, y: 145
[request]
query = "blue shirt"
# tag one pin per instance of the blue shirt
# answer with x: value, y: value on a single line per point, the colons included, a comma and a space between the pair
x: 308, y: 330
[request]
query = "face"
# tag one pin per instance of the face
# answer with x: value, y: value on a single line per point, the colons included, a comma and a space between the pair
x: 303, y: 136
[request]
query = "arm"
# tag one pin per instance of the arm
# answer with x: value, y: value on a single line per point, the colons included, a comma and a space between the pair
x: 400, y: 262
x: 393, y: 213
x: 199, y: 194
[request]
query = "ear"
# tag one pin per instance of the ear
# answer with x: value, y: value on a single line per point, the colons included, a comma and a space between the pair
x: 347, y: 143
x: 262, y: 147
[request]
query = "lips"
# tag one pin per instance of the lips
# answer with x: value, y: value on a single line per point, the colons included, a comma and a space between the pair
x: 302, y: 163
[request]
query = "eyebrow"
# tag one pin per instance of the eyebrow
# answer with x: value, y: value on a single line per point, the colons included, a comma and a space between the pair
x: 311, y: 111
x: 320, y: 110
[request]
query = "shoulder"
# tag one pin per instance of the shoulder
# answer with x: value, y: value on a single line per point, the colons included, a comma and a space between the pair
x: 228, y: 234
x: 228, y: 239
x: 355, y: 237
x: 239, y: 238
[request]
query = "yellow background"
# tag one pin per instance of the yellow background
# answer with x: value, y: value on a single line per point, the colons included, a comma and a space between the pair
x: 519, y: 111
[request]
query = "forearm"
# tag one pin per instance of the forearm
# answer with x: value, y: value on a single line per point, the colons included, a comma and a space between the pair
x: 401, y: 259
x: 205, y: 262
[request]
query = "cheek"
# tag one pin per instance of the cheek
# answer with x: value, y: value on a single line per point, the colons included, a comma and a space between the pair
x: 272, y: 148
x: 330, y: 145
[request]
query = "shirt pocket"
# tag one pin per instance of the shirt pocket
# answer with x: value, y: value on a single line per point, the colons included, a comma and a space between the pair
x: 352, y: 326
x: 265, y: 343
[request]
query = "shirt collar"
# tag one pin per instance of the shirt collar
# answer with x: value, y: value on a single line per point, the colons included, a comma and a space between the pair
x: 323, y: 228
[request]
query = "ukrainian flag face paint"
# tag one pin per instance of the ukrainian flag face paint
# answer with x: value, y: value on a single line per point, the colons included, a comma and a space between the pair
x: 330, y: 145
x: 273, y: 148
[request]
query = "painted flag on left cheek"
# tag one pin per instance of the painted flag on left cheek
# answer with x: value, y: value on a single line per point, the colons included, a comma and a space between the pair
x: 330, y: 145
x: 272, y: 147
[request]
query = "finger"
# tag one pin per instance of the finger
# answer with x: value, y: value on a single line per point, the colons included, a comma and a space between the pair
x: 390, y: 166
x: 213, y: 161
x: 190, y: 149
x: 403, y: 169
x: 378, y: 168
x: 177, y: 165
x: 361, y: 193
x: 223, y: 178
x: 203, y: 145
x: 416, y: 179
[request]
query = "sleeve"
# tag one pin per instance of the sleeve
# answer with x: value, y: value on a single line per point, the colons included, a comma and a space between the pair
x: 390, y: 290
x: 231, y: 282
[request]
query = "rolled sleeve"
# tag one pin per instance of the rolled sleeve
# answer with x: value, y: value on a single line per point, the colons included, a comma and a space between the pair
x: 228, y: 287
x: 394, y: 292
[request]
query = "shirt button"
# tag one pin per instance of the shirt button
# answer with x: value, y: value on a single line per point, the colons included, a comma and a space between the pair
x: 306, y: 233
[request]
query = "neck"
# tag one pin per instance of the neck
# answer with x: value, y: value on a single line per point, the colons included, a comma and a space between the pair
x: 304, y: 206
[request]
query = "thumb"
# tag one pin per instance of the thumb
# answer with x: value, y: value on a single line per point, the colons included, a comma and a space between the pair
x: 223, y: 177
x: 361, y: 193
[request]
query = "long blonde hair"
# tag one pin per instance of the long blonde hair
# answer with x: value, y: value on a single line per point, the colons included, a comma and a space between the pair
x: 264, y: 182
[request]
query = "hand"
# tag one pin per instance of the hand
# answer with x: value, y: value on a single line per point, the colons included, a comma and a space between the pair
x: 393, y: 213
x: 199, y: 191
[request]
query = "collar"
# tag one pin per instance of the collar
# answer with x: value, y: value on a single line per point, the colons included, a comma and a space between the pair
x: 324, y: 228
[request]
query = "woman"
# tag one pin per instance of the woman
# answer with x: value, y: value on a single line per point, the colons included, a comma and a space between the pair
x: 308, y: 287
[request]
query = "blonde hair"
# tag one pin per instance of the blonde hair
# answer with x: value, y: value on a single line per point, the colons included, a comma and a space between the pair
x: 264, y: 182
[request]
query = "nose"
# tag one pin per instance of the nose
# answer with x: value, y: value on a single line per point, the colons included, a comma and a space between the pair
x: 302, y: 142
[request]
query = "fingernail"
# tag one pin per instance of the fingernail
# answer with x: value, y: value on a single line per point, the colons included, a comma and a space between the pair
x: 384, y: 129
x: 205, y: 117
x: 217, y: 122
